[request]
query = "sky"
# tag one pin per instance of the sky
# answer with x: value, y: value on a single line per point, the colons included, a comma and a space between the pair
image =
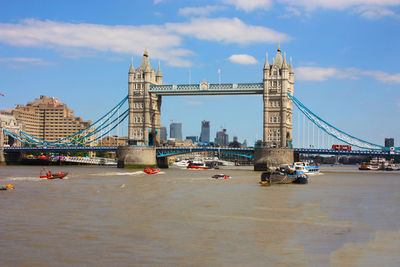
x: 345, y: 57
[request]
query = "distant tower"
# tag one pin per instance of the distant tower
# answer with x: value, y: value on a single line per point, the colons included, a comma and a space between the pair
x: 278, y: 80
x: 144, y: 108
x: 205, y: 132
x: 175, y: 130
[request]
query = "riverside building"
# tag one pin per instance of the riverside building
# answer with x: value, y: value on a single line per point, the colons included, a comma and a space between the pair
x: 49, y: 119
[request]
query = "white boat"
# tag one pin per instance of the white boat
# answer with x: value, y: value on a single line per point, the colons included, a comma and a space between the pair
x: 182, y: 163
x: 306, y: 167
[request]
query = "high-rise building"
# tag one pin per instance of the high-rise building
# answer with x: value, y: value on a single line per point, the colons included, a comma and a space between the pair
x: 175, y: 130
x: 205, y: 132
x: 222, y: 139
x: 163, y: 133
x: 49, y: 119
x: 389, y: 142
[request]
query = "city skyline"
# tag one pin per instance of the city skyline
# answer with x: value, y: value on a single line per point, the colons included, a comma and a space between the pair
x: 347, y: 75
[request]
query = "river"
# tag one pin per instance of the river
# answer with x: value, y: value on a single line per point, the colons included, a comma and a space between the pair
x: 101, y: 216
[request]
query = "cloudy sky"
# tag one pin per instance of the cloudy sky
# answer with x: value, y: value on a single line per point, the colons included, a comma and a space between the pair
x: 345, y: 54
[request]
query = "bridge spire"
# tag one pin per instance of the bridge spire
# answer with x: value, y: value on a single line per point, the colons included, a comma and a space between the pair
x: 131, y: 68
x: 266, y: 64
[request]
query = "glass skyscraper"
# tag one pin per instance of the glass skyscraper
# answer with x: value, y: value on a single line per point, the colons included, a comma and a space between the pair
x: 205, y: 132
x: 175, y: 130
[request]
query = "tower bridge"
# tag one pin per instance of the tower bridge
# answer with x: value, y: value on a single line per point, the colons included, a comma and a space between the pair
x: 145, y: 92
x: 145, y: 97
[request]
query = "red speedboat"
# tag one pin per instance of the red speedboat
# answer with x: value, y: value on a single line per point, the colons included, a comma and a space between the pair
x: 151, y: 170
x: 50, y: 175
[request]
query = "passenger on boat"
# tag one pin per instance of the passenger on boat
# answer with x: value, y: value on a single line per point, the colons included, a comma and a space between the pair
x: 9, y: 186
x: 49, y: 174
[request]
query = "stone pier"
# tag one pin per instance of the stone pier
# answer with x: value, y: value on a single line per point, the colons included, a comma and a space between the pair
x: 271, y: 158
x: 2, y: 158
x: 136, y: 157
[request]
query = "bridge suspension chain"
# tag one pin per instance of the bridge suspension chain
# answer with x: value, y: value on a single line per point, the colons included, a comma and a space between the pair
x: 80, y: 137
x: 333, y: 131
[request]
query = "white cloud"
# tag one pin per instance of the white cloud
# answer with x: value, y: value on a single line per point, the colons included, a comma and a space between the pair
x: 158, y: 1
x: 25, y: 61
x: 243, y: 59
x: 371, y: 9
x: 121, y: 39
x: 199, y: 11
x: 250, y: 5
x: 164, y: 42
x: 323, y: 74
x: 316, y: 73
x: 227, y: 30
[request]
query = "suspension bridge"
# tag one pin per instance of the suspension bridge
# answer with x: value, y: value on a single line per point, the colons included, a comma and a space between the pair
x: 142, y: 105
x: 319, y: 144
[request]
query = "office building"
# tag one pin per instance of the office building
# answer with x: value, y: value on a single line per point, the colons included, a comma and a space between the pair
x: 49, y: 119
x: 389, y: 142
x: 175, y: 130
x: 163, y: 133
x: 205, y: 132
x: 222, y: 138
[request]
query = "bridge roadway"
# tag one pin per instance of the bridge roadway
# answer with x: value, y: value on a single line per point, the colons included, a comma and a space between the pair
x: 170, y: 151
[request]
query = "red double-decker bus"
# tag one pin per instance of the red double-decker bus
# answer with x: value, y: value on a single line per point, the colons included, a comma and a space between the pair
x: 341, y: 147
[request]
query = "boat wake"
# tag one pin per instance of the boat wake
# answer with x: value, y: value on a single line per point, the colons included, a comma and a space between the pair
x: 118, y: 173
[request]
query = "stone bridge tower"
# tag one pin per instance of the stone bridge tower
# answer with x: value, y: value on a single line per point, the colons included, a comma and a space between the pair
x: 144, y: 108
x: 278, y: 80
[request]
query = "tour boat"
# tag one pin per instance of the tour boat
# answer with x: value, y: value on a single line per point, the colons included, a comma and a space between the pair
x: 151, y: 170
x: 378, y: 163
x: 221, y: 176
x: 197, y: 165
x: 50, y: 175
x: 306, y: 167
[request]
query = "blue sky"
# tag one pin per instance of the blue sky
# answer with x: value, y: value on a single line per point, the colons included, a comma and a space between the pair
x: 345, y: 54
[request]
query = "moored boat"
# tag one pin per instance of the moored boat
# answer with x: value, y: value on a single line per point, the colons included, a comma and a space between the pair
x: 149, y: 170
x: 197, y: 165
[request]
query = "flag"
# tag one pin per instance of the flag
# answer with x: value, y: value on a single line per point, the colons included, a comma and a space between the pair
x: 2, y: 94
x: 219, y: 70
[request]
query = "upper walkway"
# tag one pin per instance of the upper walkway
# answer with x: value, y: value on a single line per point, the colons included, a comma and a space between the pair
x: 205, y: 88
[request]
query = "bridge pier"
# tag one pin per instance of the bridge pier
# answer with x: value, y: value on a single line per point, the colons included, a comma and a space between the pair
x: 136, y: 156
x: 2, y: 158
x: 162, y: 162
x: 270, y: 158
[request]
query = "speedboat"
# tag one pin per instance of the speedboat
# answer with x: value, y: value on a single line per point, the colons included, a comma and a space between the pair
x: 221, y: 176
x: 149, y: 170
x: 50, y: 175
x: 306, y: 167
x: 197, y: 165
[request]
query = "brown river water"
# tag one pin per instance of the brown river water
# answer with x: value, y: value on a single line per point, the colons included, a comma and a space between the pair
x: 101, y: 216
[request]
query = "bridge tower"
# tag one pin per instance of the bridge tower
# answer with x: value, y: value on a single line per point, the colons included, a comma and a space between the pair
x: 278, y: 80
x: 144, y: 108
x: 144, y: 117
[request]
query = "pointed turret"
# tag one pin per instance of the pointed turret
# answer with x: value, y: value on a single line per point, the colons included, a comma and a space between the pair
x: 145, y: 64
x: 284, y: 64
x: 291, y: 66
x: 159, y: 74
x: 131, y: 68
x: 266, y: 64
x: 278, y: 58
